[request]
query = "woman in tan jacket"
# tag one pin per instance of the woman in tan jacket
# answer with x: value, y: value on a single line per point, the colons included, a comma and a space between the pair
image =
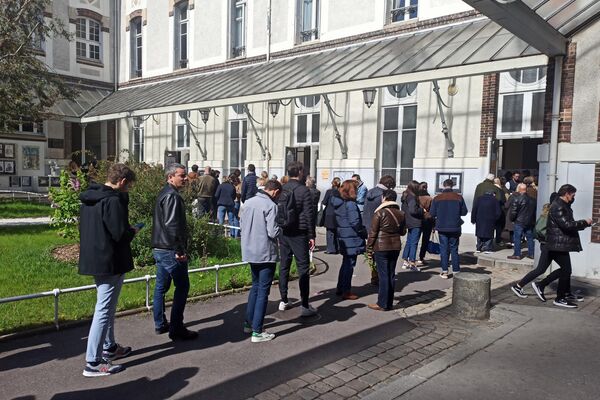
x: 384, y: 240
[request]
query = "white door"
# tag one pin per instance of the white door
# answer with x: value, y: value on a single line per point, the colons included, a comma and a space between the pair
x: 582, y: 177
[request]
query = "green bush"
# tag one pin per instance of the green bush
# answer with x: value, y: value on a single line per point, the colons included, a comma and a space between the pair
x: 66, y: 200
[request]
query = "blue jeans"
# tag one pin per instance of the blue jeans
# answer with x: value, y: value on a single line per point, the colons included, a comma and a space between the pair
x: 258, y: 298
x: 449, y: 248
x: 102, y: 331
x: 386, y: 269
x: 167, y: 269
x: 412, y: 240
x: 484, y: 244
x: 344, y: 284
x: 232, y: 219
x: 520, y: 230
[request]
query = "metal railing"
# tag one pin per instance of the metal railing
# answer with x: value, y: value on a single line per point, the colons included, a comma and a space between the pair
x: 21, y: 194
x: 147, y: 278
x: 226, y: 228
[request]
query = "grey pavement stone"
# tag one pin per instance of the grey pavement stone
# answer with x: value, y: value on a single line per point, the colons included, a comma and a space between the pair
x: 358, y: 385
x: 370, y: 379
x: 346, y: 362
x: 356, y: 371
x: 367, y: 366
x: 345, y: 376
x: 309, y: 377
x: 345, y: 391
x: 387, y: 356
x: 296, y: 383
x: 323, y: 372
x: 307, y: 394
x: 268, y: 395
x: 283, y: 389
x: 390, y: 369
x: 359, y: 357
x: 320, y: 387
x: 335, y: 367
x: 330, y: 396
x: 334, y: 381
x: 378, y: 361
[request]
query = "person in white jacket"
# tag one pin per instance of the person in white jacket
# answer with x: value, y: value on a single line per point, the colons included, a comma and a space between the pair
x: 260, y: 249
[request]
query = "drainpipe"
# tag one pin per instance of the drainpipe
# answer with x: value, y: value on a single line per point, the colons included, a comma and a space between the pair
x: 269, y: 31
x: 553, y: 159
x: 116, y: 42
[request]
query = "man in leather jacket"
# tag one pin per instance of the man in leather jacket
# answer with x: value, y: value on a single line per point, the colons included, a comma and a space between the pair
x: 169, y: 243
x: 522, y: 213
x: 562, y: 237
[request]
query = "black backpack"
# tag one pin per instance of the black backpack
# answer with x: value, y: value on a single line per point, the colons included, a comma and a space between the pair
x: 287, y: 213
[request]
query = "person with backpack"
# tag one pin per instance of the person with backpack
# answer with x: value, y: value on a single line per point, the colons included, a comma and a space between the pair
x: 385, y: 242
x: 351, y: 236
x: 330, y: 226
x: 260, y: 250
x: 295, y: 216
x: 413, y: 213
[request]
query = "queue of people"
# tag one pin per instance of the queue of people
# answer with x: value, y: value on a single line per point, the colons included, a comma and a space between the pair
x: 278, y: 223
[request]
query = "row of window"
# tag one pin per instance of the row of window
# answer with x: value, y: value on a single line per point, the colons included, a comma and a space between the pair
x: 308, y: 22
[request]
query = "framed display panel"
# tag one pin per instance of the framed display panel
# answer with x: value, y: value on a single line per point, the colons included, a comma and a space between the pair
x: 9, y: 166
x: 26, y: 181
x: 457, y: 178
x: 43, y: 181
x: 31, y: 157
x: 15, y: 181
x: 9, y: 150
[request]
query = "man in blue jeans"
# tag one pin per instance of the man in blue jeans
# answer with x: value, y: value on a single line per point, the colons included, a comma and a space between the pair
x: 522, y: 213
x: 260, y: 249
x: 105, y: 253
x: 169, y: 242
x: 447, y: 208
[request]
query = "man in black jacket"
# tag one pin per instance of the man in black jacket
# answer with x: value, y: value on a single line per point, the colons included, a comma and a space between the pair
x: 297, y: 240
x: 522, y: 212
x: 249, y: 187
x: 105, y: 253
x: 562, y: 237
x: 169, y: 242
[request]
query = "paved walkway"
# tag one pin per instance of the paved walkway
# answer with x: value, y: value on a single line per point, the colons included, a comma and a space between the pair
x: 347, y: 351
x: 25, y: 221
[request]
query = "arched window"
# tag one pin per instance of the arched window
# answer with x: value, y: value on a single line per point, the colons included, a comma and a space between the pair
x: 135, y: 33
x: 88, y: 39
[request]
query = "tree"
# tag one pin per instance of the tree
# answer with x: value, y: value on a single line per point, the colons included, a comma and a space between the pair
x: 28, y: 88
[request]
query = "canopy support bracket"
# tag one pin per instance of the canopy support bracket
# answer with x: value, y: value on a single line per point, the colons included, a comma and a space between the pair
x: 338, y: 136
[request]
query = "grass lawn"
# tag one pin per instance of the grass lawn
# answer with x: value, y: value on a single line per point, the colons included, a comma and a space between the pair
x: 26, y: 267
x: 24, y: 209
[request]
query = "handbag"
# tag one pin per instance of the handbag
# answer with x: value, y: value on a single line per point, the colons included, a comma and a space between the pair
x: 321, y: 217
x: 433, y: 247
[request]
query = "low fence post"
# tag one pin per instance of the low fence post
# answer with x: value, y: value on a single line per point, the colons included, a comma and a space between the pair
x: 147, y: 292
x: 217, y: 278
x: 56, y: 293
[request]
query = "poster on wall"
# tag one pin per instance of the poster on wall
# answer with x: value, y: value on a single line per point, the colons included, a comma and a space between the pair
x: 9, y: 151
x: 1, y: 150
x: 25, y: 181
x: 1, y: 167
x: 456, y: 177
x: 31, y: 157
x: 15, y: 181
x: 9, y: 167
x: 43, y: 181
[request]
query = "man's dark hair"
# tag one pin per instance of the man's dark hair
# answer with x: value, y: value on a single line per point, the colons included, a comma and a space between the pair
x: 273, y: 184
x: 553, y: 197
x: 251, y: 167
x: 390, y: 195
x: 195, y: 168
x: 448, y: 183
x: 357, y: 176
x: 564, y: 189
x: 116, y: 172
x: 388, y: 181
x: 294, y: 168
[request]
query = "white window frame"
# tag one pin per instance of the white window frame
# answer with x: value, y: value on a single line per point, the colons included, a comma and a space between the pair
x: 242, y: 141
x: 238, y: 24
x: 137, y: 46
x: 310, y: 33
x: 403, y: 8
x: 180, y: 26
x: 86, y: 40
x: 509, y: 86
x: 309, y: 112
x: 400, y: 130
x: 181, y: 122
x: 138, y: 128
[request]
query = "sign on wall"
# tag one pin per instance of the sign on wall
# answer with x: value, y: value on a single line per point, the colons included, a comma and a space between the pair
x: 457, y: 178
x: 7, y: 151
x: 31, y: 157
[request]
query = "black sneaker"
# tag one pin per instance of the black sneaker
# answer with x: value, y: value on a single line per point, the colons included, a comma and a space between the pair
x: 184, y: 334
x: 573, y: 297
x: 539, y: 290
x: 103, y: 368
x: 518, y: 291
x: 116, y: 352
x: 564, y: 303
x: 162, y: 329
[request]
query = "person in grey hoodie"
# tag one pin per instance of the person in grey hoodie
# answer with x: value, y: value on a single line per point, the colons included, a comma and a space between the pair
x: 261, y: 251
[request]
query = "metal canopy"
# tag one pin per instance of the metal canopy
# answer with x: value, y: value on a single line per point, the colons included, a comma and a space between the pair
x: 566, y: 16
x: 470, y: 48
x: 87, y: 97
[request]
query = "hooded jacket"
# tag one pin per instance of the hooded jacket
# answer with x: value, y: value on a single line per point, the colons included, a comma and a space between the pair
x: 104, y: 231
x: 372, y: 201
x: 350, y: 230
x: 257, y: 219
x: 386, y: 228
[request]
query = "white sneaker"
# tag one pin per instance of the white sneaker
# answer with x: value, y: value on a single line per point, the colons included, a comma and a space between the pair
x: 405, y: 265
x: 262, y: 337
x: 284, y: 306
x: 308, y: 312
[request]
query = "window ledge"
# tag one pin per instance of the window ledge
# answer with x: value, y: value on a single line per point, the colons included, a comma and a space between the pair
x: 308, y: 42
x: 87, y: 61
x: 404, y: 22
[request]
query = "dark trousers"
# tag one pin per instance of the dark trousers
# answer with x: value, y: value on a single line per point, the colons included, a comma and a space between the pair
x: 298, y: 247
x: 543, y: 264
x: 258, y: 298
x: 426, y: 228
x: 204, y: 206
x: 344, y: 283
x: 386, y: 269
x: 169, y: 269
x: 563, y: 259
x: 449, y: 248
x: 332, y: 244
x: 500, y: 227
x: 484, y: 244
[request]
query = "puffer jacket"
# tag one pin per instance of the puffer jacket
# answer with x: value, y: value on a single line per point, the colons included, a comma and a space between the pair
x: 523, y: 210
x: 372, y: 201
x: 305, y: 209
x: 413, y: 213
x: 350, y: 230
x: 329, y: 210
x: 169, y: 226
x: 562, y: 231
x: 387, y: 227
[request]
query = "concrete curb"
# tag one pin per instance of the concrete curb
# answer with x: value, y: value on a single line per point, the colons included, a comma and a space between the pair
x: 510, y: 321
